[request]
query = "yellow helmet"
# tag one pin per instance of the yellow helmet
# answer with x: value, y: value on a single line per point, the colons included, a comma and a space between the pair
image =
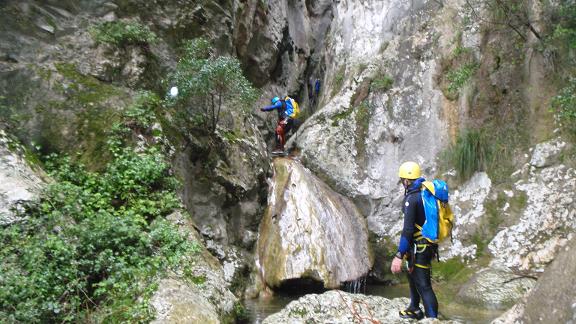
x: 409, y: 170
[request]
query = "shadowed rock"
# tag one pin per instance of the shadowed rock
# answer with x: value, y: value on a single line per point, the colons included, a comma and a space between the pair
x: 310, y: 231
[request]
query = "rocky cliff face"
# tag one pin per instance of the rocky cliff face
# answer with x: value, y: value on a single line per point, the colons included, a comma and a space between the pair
x: 385, y: 98
x: 309, y: 231
x: 380, y: 104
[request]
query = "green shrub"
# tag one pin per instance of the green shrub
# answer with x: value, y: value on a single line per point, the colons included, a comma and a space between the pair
x: 470, y: 153
x: 458, y: 77
x: 565, y: 29
x: 121, y: 33
x: 564, y: 104
x: 206, y: 84
x: 141, y: 113
x: 383, y: 83
x: 92, y: 248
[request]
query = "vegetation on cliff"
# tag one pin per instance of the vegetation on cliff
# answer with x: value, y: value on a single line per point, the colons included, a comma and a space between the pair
x: 93, y: 247
x: 207, y: 85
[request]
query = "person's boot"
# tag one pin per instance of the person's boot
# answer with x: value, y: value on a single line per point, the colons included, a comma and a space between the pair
x: 412, y: 313
x: 278, y: 151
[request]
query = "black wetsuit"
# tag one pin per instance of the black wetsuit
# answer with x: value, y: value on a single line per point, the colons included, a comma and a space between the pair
x: 419, y: 262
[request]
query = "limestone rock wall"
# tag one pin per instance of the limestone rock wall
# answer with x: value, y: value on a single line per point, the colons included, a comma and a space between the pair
x: 379, y: 104
x: 309, y: 231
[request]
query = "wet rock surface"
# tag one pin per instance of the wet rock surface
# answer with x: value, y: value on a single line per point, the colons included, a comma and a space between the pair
x: 309, y: 231
x: 340, y: 307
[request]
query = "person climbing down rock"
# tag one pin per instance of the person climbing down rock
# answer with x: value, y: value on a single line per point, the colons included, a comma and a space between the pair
x: 414, y: 248
x: 288, y: 110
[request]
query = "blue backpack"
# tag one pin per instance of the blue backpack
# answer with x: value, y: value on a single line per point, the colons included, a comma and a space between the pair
x: 439, y: 216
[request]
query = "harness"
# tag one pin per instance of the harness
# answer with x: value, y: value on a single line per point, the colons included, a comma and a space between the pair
x: 282, y: 114
x: 420, y: 246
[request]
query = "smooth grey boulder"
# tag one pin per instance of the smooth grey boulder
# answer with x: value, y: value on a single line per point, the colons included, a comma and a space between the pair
x: 310, y: 231
x: 496, y: 289
x: 340, y: 307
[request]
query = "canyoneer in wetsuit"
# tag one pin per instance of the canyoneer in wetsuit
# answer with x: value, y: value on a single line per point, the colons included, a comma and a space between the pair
x: 414, y: 248
x: 285, y: 122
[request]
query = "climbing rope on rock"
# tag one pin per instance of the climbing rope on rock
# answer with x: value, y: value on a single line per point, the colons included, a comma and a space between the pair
x: 355, y: 314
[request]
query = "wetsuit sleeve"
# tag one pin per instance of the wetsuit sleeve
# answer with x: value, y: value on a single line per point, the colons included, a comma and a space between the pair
x: 407, y: 235
x: 277, y: 105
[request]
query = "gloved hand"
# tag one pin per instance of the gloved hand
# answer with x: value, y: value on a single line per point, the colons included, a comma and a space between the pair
x: 262, y: 109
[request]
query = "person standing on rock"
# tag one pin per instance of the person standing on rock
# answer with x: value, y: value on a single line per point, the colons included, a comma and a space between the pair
x: 286, y: 112
x: 414, y: 248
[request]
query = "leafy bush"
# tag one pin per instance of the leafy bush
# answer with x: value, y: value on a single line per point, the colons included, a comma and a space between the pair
x: 91, y: 249
x: 470, y: 153
x: 141, y: 114
x: 460, y: 76
x: 121, y: 33
x: 206, y: 84
x: 564, y: 105
x: 565, y: 30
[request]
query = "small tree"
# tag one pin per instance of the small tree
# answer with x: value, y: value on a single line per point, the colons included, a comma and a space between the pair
x: 513, y: 14
x: 206, y: 84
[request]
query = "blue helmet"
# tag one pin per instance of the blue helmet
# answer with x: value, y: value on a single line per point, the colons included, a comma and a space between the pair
x: 275, y: 100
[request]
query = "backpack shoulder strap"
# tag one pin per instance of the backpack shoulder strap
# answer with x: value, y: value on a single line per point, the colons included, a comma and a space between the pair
x: 429, y: 185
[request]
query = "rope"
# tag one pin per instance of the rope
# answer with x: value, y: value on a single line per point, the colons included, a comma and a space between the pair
x: 355, y: 315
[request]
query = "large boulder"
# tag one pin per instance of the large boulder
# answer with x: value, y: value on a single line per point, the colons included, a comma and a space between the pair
x: 553, y: 299
x: 310, y: 231
x: 201, y: 296
x: 177, y: 301
x: 19, y: 182
x: 547, y: 153
x: 340, y: 307
x: 546, y: 222
x: 496, y: 289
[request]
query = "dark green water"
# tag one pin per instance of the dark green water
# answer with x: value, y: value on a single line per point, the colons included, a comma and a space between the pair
x: 259, y: 309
